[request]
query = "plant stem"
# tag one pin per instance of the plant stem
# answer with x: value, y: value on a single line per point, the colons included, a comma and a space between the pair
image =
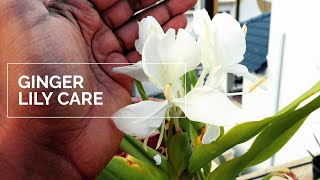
x: 145, y: 144
x: 177, y: 125
x: 141, y: 90
x: 176, y: 120
x: 161, y: 134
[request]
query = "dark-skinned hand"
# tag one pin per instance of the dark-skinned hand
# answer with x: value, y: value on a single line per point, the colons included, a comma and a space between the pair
x: 71, y: 31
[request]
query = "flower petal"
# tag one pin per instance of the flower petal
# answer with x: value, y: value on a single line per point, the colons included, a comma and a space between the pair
x: 166, y: 59
x: 208, y: 105
x: 201, y: 23
x: 216, y: 77
x: 140, y: 119
x: 202, y: 26
x: 176, y: 87
x: 229, y: 39
x: 212, y: 133
x: 147, y: 26
x: 241, y: 70
x: 187, y: 50
x: 135, y: 71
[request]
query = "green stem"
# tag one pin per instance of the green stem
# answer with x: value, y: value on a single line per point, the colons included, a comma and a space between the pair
x: 193, y: 77
x: 176, y: 120
x: 141, y: 90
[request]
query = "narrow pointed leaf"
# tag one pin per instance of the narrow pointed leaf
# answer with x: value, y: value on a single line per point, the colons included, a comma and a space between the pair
x: 178, y: 159
x: 123, y: 169
x: 141, y: 90
x: 135, y: 148
x: 240, y: 134
x: 268, y: 142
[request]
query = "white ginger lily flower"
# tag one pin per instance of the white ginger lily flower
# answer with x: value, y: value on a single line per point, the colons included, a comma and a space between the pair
x: 164, y: 60
x: 159, y: 55
x: 223, y: 45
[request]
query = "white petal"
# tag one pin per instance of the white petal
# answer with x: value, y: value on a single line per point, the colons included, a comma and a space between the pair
x: 229, y: 39
x: 172, y: 91
x: 135, y: 71
x: 177, y: 86
x: 201, y: 22
x: 216, y: 77
x: 202, y: 26
x: 157, y: 159
x: 208, y: 105
x: 212, y: 133
x: 140, y: 119
x: 241, y: 70
x: 187, y: 50
x: 166, y: 59
x: 147, y: 26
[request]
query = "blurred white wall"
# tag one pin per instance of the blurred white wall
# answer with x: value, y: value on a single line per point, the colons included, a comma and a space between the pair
x: 293, y: 67
x: 248, y: 10
x: 296, y: 23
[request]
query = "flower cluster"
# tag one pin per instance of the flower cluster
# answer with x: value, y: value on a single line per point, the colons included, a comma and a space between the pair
x: 218, y: 45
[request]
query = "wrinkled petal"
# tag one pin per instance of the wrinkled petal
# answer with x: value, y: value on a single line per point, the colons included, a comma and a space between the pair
x: 208, y: 105
x: 211, y: 134
x: 147, y: 26
x: 229, y: 39
x: 135, y: 71
x: 166, y: 59
x: 140, y: 119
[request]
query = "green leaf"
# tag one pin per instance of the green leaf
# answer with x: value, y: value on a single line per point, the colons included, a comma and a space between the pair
x: 268, y: 142
x: 193, y: 77
x: 179, y: 152
x: 221, y: 132
x: 189, y: 81
x: 188, y: 127
x: 240, y: 134
x: 207, y: 168
x: 222, y: 159
x: 205, y: 153
x: 141, y: 90
x: 135, y: 148
x: 185, y: 125
x: 171, y: 130
x: 123, y: 169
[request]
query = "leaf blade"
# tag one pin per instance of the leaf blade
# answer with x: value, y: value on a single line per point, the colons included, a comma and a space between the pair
x: 240, y: 134
x: 287, y: 125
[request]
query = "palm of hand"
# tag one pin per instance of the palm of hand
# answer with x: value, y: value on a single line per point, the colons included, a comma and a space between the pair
x: 76, y: 32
